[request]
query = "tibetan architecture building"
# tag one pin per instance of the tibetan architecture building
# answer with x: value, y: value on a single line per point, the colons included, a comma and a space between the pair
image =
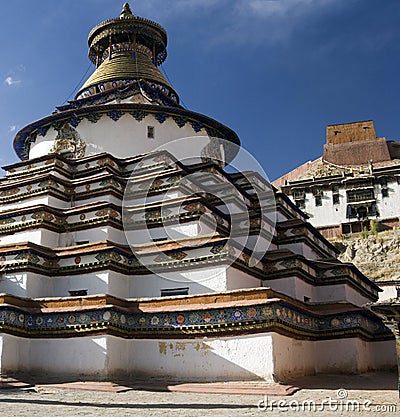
x: 352, y: 190
x: 355, y: 181
x: 119, y: 258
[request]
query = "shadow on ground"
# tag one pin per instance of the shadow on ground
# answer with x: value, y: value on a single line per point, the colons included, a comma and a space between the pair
x: 372, y: 381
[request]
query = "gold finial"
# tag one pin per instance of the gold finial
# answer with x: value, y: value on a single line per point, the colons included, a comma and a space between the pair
x: 126, y: 12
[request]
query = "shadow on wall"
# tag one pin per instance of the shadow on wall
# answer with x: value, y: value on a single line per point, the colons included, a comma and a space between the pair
x: 14, y: 284
x: 150, y: 364
x: 31, y: 285
x: 109, y: 358
x: 44, y: 360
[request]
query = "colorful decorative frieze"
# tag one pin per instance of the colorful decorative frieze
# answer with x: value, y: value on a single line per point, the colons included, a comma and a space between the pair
x: 259, y: 316
x: 93, y: 257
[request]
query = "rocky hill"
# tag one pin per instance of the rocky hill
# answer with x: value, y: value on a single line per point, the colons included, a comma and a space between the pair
x: 377, y: 256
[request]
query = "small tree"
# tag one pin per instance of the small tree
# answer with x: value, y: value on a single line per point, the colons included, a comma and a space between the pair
x: 374, y: 224
x: 364, y: 233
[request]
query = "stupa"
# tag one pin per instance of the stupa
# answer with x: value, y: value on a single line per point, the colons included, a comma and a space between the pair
x: 121, y: 259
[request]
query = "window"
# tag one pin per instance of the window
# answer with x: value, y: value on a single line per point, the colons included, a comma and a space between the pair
x: 318, y: 196
x: 335, y: 199
x: 384, y: 187
x: 346, y: 229
x: 77, y: 293
x: 160, y: 239
x: 299, y: 194
x: 360, y: 195
x: 300, y: 198
x: 362, y: 211
x: 174, y: 291
x: 150, y: 132
x: 301, y: 204
x: 335, y: 194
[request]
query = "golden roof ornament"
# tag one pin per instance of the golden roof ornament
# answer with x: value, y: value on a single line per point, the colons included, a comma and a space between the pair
x: 126, y: 49
x: 126, y: 12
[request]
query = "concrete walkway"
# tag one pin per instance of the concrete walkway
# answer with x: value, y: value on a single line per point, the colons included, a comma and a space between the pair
x: 366, y: 395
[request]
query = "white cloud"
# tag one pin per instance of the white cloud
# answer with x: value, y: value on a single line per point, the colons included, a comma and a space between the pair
x: 21, y: 68
x: 167, y: 11
x: 176, y: 7
x: 276, y: 20
x: 195, y: 4
x: 12, y: 129
x: 10, y: 81
x: 257, y: 21
x: 259, y: 9
x: 266, y: 8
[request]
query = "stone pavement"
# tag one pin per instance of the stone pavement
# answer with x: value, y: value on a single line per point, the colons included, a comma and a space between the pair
x: 346, y: 396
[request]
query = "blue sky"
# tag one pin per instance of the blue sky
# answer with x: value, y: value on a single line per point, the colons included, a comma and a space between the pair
x: 275, y: 71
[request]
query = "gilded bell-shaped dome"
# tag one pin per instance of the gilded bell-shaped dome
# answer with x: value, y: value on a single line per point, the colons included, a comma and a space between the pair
x: 126, y: 49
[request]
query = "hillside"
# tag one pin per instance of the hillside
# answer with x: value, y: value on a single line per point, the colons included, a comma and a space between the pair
x: 377, y: 256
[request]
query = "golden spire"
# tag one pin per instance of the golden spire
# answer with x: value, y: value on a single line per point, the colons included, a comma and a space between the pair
x: 125, y: 49
x: 126, y: 12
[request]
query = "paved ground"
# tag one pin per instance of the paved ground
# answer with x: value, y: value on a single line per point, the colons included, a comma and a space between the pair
x: 367, y: 395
